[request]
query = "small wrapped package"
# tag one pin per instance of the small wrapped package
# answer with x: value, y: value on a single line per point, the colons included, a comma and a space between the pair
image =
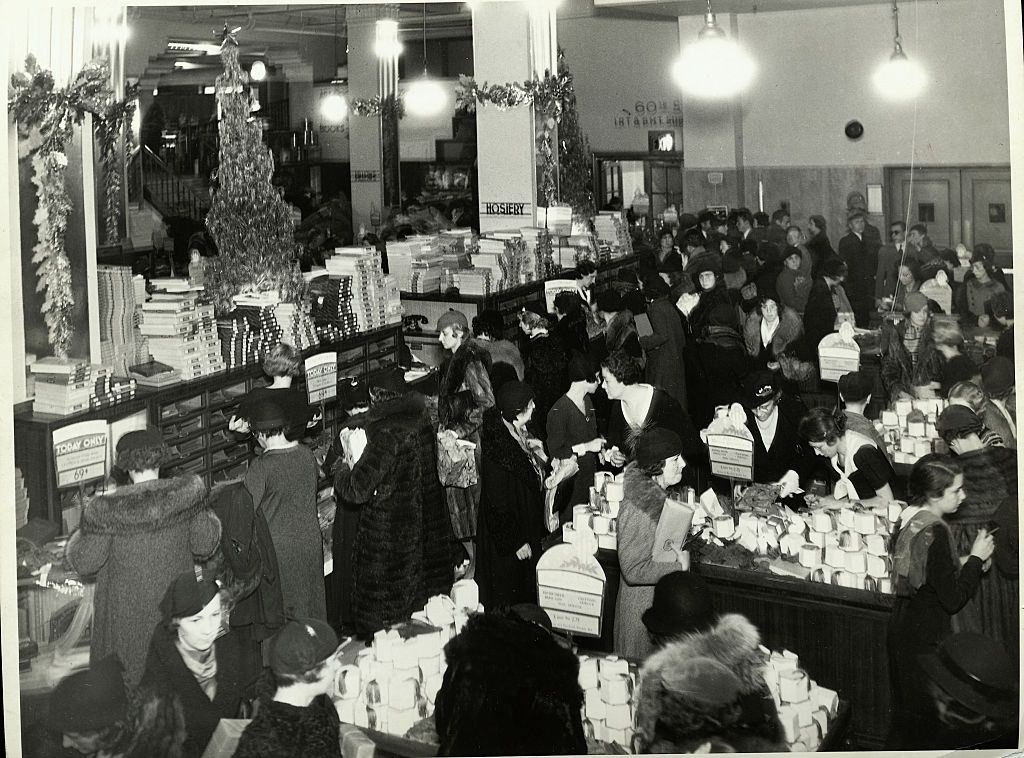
x: 835, y: 557
x: 618, y: 716
x: 794, y: 686
x: 790, y: 722
x: 432, y: 685
x: 878, y: 566
x: 822, y: 522
x: 890, y: 419
x: 617, y: 690
x: 850, y: 539
x: 723, y: 527
x: 791, y: 544
x: 820, y: 717
x: 810, y: 556
x: 846, y: 518
x: 864, y: 522
x: 856, y: 561
x: 827, y: 699
x: 809, y: 736
x: 817, y: 538
x: 355, y: 744
x: 594, y: 706
x: 613, y: 492
x: 611, y: 666
x: 885, y: 585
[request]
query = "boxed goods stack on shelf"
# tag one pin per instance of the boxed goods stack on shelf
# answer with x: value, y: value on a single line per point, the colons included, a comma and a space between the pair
x: 416, y: 263
x: 487, y: 257
x: 455, y: 246
x: 473, y: 281
x: 182, y: 334
x: 601, y: 514
x: 21, y: 502
x: 335, y: 317
x: 909, y: 429
x: 240, y: 342
x: 609, y: 697
x: 297, y: 327
x: 612, y: 231
x: 64, y: 385
x: 362, y: 267
x: 119, y: 335
x: 392, y: 300
x: 805, y: 709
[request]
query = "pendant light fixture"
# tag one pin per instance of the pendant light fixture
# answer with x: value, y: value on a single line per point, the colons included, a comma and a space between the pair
x: 333, y: 106
x: 714, y: 67
x: 899, y: 78
x: 425, y: 97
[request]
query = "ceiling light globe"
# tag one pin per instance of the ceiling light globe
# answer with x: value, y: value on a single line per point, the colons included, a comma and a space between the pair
x: 425, y: 97
x: 714, y: 68
x: 333, y: 108
x: 258, y: 71
x: 900, y: 78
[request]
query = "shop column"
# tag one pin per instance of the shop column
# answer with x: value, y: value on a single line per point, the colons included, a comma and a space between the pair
x: 512, y: 42
x: 364, y: 132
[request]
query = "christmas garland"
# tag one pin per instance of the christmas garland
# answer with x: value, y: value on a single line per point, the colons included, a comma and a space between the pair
x: 377, y: 106
x: 46, y: 118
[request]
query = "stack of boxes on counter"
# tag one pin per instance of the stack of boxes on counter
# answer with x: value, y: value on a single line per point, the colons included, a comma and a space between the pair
x: 488, y: 257
x: 297, y: 327
x: 846, y: 547
x: 240, y: 341
x: 182, y: 334
x: 335, y: 319
x: 608, y: 684
x: 805, y: 709
x: 416, y: 263
x: 394, y: 682
x: 368, y: 292
x: 612, y: 232
x: 64, y: 386
x: 121, y: 343
x: 909, y: 429
x: 600, y: 515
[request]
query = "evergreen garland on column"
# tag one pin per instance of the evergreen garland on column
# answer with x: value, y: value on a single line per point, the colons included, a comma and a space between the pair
x: 575, y: 165
x: 249, y: 221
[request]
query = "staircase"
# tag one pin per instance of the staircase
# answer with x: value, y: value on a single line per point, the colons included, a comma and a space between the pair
x: 170, y: 193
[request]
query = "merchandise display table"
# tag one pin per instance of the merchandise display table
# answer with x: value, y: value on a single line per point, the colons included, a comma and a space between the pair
x: 839, y: 633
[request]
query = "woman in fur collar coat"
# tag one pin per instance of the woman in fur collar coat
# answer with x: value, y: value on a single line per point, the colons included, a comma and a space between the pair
x: 774, y: 337
x: 401, y: 553
x: 135, y: 540
x: 732, y: 641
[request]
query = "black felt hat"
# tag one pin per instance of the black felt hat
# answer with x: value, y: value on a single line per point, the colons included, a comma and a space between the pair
x: 89, y: 701
x: 186, y: 596
x: 682, y: 604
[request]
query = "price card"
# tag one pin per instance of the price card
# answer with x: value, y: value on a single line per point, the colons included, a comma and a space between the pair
x: 80, y: 453
x: 570, y: 587
x: 321, y: 377
x: 731, y: 456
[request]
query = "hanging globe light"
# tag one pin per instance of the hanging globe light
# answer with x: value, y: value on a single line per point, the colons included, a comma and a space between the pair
x: 333, y: 107
x: 899, y: 78
x: 425, y: 97
x: 714, y: 67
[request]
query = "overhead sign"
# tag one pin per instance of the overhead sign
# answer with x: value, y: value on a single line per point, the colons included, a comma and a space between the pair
x: 321, y: 377
x: 80, y: 453
x: 570, y: 588
x: 731, y: 456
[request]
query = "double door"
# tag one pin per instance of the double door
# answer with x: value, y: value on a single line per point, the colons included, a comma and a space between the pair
x: 968, y: 205
x: 621, y: 176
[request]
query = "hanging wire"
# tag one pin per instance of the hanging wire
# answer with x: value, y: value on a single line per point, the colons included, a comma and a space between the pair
x: 424, y: 39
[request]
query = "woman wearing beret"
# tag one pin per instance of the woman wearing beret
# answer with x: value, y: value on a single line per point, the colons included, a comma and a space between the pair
x: 658, y: 467
x: 931, y: 583
x: 463, y: 394
x: 193, y: 658
x: 511, y: 523
x: 135, y: 540
x: 990, y: 488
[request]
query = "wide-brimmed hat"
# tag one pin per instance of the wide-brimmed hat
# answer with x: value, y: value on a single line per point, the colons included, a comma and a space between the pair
x: 975, y: 670
x: 682, y: 604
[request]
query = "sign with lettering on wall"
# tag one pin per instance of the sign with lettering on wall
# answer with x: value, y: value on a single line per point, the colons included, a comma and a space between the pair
x: 644, y: 114
x: 506, y: 208
x: 365, y: 175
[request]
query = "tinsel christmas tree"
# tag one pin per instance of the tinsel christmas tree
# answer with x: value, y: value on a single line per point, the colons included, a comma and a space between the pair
x: 575, y: 181
x: 249, y: 220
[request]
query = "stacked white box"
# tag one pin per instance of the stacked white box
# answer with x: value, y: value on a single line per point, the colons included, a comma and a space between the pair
x: 369, y: 295
x: 183, y: 334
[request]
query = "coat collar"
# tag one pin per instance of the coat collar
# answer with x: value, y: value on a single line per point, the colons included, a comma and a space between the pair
x: 145, y: 507
x: 789, y: 330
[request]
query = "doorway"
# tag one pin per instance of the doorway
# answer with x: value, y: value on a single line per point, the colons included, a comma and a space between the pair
x: 620, y: 176
x: 957, y: 204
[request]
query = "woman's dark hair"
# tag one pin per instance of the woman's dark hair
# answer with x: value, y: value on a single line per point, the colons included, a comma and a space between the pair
x: 931, y: 476
x: 990, y: 268
x: 509, y: 689
x: 502, y: 373
x: 567, y: 303
x: 666, y: 232
x: 914, y: 267
x: 823, y: 425
x: 655, y: 469
x: 623, y: 367
x: 820, y: 222
x: 585, y: 268
x: 489, y: 323
x: 766, y: 295
x: 282, y: 360
x: 655, y: 287
x: 835, y: 268
x: 143, y: 458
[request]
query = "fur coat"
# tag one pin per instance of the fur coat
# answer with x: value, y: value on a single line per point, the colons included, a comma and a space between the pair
x: 401, y: 554
x: 135, y: 541
x: 546, y: 371
x: 464, y: 389
x: 733, y: 641
x: 786, y: 347
x: 900, y: 373
x: 511, y: 515
x: 280, y: 729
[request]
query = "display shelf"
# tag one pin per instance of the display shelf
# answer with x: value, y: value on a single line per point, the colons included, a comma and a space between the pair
x: 190, y: 412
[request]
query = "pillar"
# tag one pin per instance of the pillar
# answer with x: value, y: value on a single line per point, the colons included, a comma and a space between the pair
x: 365, y: 159
x: 512, y: 42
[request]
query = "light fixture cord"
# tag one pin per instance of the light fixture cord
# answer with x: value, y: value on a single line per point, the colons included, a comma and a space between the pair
x: 425, y: 38
x: 895, y: 19
x: 913, y: 156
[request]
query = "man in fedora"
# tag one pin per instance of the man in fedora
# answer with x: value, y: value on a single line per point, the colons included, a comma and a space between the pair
x: 860, y: 253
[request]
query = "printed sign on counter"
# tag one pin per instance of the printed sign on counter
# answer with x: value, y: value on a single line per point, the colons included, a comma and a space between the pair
x: 570, y: 587
x: 321, y: 377
x: 80, y: 453
x: 838, y: 355
x: 731, y: 456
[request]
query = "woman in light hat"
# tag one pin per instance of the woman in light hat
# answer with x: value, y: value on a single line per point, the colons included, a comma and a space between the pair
x: 135, y: 540
x: 931, y: 583
x: 911, y: 364
x: 463, y: 394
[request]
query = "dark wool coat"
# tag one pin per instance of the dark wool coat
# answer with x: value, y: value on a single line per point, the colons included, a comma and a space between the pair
x: 900, y: 373
x: 664, y: 412
x: 787, y: 346
x: 135, y: 541
x: 788, y: 451
x: 511, y: 515
x: 246, y: 563
x: 821, y: 250
x: 621, y: 334
x: 166, y: 671
x: 819, y: 315
x: 716, y: 366
x: 547, y: 362
x: 733, y: 641
x: 281, y: 730
x: 664, y: 366
x: 861, y: 256
x: 402, y: 549
x: 572, y: 331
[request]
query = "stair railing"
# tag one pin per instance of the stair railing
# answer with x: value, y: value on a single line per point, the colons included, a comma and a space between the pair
x: 163, y: 188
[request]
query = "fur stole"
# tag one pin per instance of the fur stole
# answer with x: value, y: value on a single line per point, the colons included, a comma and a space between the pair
x: 498, y: 446
x: 643, y: 492
x: 455, y: 401
x: 146, y: 507
x: 407, y: 410
x: 791, y: 328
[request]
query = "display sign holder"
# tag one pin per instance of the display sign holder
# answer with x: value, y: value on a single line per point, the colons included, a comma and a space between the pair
x: 570, y: 588
x: 321, y: 379
x: 732, y: 457
x: 80, y: 455
x: 553, y: 287
x: 838, y: 354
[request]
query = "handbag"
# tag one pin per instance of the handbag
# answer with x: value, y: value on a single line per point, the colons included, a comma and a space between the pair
x: 456, y: 462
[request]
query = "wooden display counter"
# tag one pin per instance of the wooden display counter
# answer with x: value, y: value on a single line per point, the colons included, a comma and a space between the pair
x: 193, y: 417
x: 839, y: 634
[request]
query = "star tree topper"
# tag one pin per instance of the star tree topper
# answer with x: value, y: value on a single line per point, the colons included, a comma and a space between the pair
x: 228, y: 36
